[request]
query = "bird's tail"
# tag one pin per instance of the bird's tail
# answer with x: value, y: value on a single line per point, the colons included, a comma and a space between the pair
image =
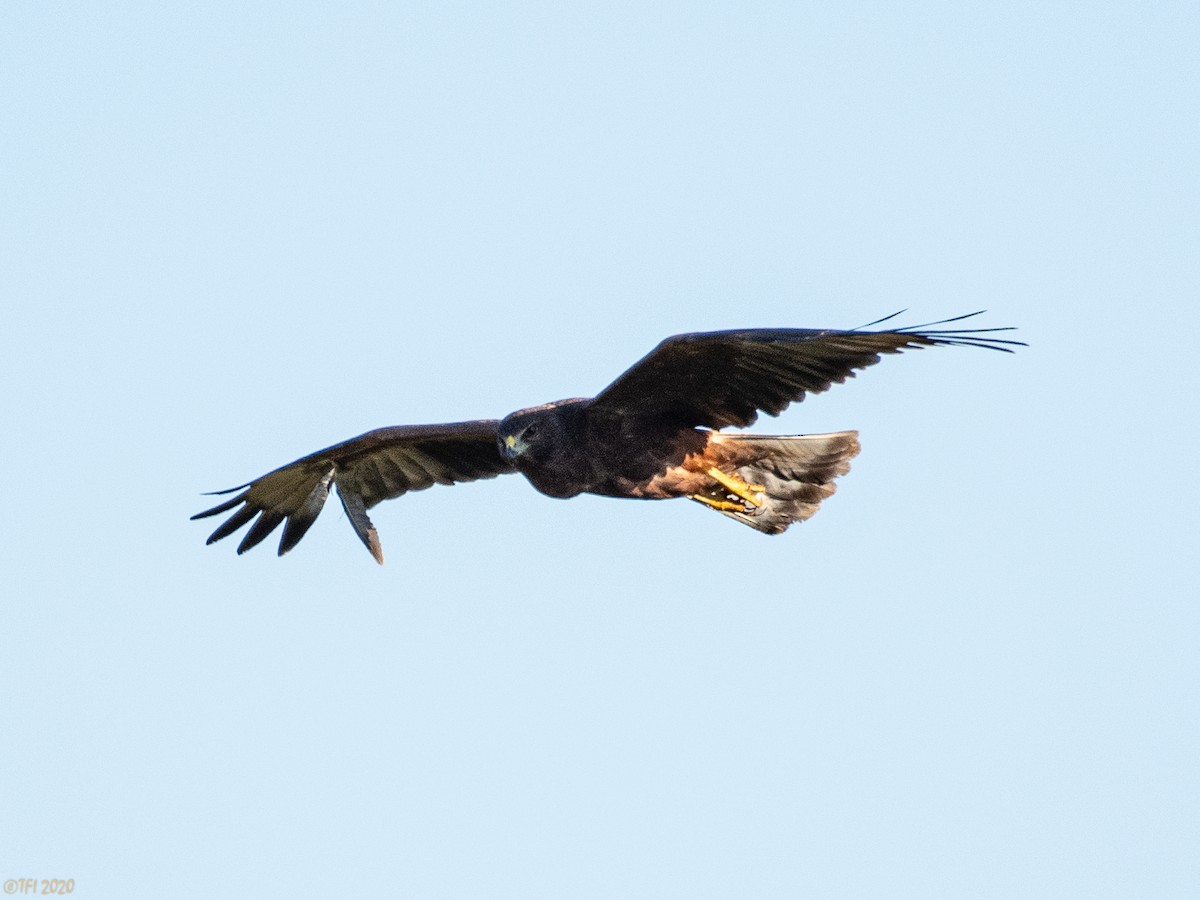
x: 788, y: 475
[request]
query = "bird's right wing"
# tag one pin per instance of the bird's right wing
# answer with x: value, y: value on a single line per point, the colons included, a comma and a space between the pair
x: 375, y: 466
x: 723, y: 378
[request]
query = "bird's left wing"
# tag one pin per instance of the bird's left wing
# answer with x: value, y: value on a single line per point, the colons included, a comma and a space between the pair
x: 375, y: 466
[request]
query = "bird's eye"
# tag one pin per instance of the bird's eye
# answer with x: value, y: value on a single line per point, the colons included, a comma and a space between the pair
x: 531, y: 430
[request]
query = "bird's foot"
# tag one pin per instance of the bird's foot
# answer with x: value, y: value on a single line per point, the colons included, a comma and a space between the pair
x: 751, y: 493
x: 723, y: 505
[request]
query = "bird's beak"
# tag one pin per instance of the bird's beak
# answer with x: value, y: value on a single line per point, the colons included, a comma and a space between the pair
x: 511, y: 448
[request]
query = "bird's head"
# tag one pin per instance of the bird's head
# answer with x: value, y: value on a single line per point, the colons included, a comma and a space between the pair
x: 535, y: 435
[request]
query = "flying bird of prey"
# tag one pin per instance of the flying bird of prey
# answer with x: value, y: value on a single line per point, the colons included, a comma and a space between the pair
x: 654, y: 433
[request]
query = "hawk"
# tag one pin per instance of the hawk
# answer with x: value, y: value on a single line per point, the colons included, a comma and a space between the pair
x: 653, y: 434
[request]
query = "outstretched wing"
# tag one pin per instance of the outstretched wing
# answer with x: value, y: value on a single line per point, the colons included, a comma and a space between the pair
x: 375, y: 466
x: 723, y: 378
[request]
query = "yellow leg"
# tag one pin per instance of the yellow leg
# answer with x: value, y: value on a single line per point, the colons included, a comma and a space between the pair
x: 726, y: 505
x: 736, y: 486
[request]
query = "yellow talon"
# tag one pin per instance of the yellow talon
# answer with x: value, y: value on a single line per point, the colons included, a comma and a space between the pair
x: 736, y: 486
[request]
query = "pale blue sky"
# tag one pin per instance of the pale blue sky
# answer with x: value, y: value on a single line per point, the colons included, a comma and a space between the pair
x: 235, y: 233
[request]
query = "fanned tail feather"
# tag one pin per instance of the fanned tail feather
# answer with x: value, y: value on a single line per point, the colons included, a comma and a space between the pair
x: 796, y: 473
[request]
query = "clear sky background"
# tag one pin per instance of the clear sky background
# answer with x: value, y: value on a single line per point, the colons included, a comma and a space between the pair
x: 234, y: 233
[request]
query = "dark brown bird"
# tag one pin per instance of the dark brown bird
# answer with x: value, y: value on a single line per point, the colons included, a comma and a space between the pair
x: 654, y: 433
